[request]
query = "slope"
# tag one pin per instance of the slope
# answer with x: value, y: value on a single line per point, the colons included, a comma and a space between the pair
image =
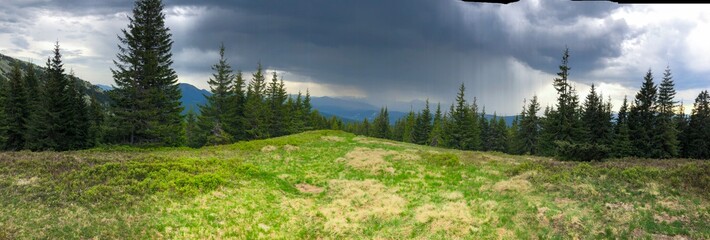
x: 334, y: 185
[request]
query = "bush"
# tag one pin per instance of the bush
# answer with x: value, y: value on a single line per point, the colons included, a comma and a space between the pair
x: 581, y: 151
x: 443, y: 159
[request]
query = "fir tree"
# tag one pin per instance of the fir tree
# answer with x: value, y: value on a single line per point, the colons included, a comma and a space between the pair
x: 77, y: 120
x: 666, y: 135
x: 596, y: 119
x: 642, y: 118
x: 437, y: 130
x: 307, y: 111
x: 96, y: 121
x: 236, y: 124
x: 422, y: 127
x: 461, y: 136
x: 622, y: 139
x: 699, y: 126
x: 194, y: 137
x: 49, y: 131
x: 255, y: 109
x: 147, y: 97
x: 410, y: 121
x: 382, y: 124
x: 3, y: 124
x: 681, y: 122
x: 276, y: 98
x: 15, y: 108
x: 530, y: 127
x: 218, y: 111
x: 563, y: 123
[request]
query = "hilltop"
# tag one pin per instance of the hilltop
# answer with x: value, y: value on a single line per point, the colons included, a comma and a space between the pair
x: 335, y: 185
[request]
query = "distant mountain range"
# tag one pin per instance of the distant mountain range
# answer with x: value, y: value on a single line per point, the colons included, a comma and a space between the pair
x: 345, y: 108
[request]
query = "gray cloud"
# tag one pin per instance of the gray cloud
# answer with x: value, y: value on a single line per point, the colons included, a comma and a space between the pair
x: 393, y: 50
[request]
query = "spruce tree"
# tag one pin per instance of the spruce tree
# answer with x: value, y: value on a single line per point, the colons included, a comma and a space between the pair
x: 562, y: 124
x: 15, y: 110
x: 699, y: 128
x: 255, y: 108
x: 49, y: 130
x: 642, y: 118
x: 409, y: 124
x: 218, y: 111
x: 77, y: 120
x: 146, y: 97
x: 530, y: 127
x: 237, y: 123
x: 423, y: 126
x: 277, y: 95
x: 193, y: 136
x: 622, y: 139
x: 484, y: 125
x: 474, y: 129
x: 460, y: 134
x: 681, y: 122
x: 96, y: 121
x: 437, y: 130
x: 666, y: 135
x: 596, y: 119
x: 382, y: 124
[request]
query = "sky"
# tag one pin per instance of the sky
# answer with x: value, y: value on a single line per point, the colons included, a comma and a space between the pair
x: 394, y: 53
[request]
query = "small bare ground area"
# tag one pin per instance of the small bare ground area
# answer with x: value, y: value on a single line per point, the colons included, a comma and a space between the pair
x: 354, y: 202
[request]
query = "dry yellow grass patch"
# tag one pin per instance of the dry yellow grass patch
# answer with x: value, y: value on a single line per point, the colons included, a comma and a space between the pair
x: 290, y: 148
x: 505, y: 233
x: 371, y: 160
x: 514, y: 185
x: 452, y: 195
x: 407, y: 157
x: 670, y: 204
x: 454, y: 217
x: 26, y: 181
x: 307, y: 188
x: 585, y: 189
x: 621, y: 212
x: 333, y: 138
x: 268, y: 148
x: 365, y: 140
x: 356, y: 201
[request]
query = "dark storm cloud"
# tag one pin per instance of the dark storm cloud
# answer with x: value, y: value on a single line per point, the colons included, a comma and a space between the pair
x: 418, y: 47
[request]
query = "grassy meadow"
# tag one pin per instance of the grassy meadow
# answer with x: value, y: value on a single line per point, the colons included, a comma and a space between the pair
x: 335, y: 185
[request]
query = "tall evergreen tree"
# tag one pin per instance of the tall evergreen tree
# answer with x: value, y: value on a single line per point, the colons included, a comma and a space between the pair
x: 237, y: 124
x: 307, y: 112
x: 596, y: 119
x: 409, y: 124
x: 276, y: 98
x: 530, y: 127
x: 666, y: 135
x: 422, y: 127
x: 681, y: 122
x: 216, y: 114
x: 76, y: 123
x: 562, y: 123
x: 699, y: 126
x: 642, y: 118
x: 193, y: 136
x: 255, y: 109
x: 96, y: 121
x: 622, y: 139
x: 3, y: 124
x: 48, y: 131
x: 460, y: 134
x: 15, y: 110
x: 437, y: 130
x: 382, y: 124
x: 147, y: 97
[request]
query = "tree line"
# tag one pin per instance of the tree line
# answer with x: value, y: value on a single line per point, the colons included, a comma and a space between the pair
x: 51, y: 112
x: 652, y: 125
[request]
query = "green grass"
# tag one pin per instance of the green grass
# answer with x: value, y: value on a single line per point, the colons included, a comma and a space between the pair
x: 334, y: 185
